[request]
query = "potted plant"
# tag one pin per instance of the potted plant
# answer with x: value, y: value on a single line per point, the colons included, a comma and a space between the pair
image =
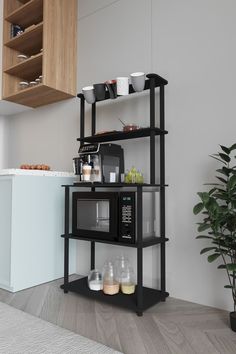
x: 218, y: 226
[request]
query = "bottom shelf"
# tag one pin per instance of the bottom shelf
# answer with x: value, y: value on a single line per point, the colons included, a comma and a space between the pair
x: 37, y: 96
x: 150, y: 296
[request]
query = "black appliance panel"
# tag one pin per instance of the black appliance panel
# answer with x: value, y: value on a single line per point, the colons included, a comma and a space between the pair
x: 95, y: 215
x: 127, y: 222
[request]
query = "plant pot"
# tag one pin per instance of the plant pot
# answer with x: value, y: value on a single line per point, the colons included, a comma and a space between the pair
x: 232, y: 316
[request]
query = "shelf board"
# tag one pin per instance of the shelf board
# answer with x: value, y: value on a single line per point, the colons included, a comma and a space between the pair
x: 159, y: 81
x: 24, y: 1
x: 29, y: 42
x: 29, y: 69
x: 113, y: 185
x: 120, y: 135
x: 37, y: 96
x: 150, y: 296
x: 150, y: 241
x: 30, y: 13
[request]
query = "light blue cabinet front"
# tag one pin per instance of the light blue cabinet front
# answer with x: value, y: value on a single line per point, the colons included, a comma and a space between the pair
x: 31, y: 222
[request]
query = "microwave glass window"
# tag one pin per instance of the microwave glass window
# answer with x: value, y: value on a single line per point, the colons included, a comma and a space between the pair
x: 93, y: 215
x: 110, y: 164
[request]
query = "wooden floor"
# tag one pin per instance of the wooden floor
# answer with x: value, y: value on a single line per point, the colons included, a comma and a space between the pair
x: 174, y: 326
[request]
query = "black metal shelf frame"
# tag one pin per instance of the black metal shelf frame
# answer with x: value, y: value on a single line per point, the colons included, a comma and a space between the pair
x: 139, y: 302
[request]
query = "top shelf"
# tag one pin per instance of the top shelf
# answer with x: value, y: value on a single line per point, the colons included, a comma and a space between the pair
x: 159, y: 81
x: 29, y: 13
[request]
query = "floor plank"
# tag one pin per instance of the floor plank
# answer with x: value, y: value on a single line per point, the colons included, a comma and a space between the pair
x: 171, y: 327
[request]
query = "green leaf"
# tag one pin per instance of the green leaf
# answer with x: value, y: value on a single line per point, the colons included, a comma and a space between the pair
x: 203, y: 236
x: 223, y: 172
x: 217, y: 158
x: 204, y: 196
x: 232, y: 182
x: 207, y: 249
x: 225, y: 149
x: 211, y: 191
x: 222, y: 266
x: 198, y: 208
x: 221, y: 179
x: 233, y: 147
x: 228, y: 287
x: 225, y: 157
x: 213, y: 257
x: 231, y: 267
x: 203, y: 227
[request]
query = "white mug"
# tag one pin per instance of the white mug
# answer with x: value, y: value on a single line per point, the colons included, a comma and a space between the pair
x: 122, y: 86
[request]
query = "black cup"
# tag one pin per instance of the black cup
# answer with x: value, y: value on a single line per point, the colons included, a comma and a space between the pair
x: 112, y: 88
x: 100, y: 91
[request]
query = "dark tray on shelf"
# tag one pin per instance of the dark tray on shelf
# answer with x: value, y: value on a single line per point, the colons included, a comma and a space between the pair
x: 150, y: 296
x: 150, y: 241
x: 120, y: 135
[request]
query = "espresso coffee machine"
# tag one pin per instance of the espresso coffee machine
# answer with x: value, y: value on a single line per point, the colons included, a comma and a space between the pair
x: 100, y: 163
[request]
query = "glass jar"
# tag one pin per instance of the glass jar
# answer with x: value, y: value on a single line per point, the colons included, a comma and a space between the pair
x: 110, y: 285
x: 127, y: 281
x: 121, y: 264
x: 95, y: 282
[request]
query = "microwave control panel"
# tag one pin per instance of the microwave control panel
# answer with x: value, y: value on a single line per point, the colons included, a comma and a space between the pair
x: 127, y: 217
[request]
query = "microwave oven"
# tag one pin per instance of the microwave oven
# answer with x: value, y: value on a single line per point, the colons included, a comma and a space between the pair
x: 104, y: 215
x: 109, y: 216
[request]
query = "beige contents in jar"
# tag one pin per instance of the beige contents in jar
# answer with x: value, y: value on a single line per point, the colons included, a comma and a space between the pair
x: 127, y: 288
x: 111, y: 288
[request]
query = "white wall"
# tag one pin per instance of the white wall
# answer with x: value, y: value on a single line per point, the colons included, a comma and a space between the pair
x: 4, y: 131
x: 192, y: 44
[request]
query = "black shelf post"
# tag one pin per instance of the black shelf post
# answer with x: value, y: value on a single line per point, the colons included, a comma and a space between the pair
x: 140, y: 251
x: 66, y: 241
x: 162, y: 191
x: 81, y: 96
x: 152, y: 126
x: 93, y: 125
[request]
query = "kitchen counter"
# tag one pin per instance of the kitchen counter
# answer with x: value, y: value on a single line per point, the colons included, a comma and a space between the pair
x: 21, y: 172
x: 31, y: 223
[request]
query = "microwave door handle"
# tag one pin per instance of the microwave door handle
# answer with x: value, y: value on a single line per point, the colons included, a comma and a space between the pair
x: 97, y: 220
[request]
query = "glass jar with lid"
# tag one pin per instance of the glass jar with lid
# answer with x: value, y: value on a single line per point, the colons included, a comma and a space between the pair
x: 121, y: 264
x: 110, y: 284
x: 128, y: 281
x: 95, y: 282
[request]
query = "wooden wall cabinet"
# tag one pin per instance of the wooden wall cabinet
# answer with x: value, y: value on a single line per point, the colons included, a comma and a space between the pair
x: 50, y: 41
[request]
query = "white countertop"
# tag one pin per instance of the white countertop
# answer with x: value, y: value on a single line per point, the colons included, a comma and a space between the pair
x: 21, y: 172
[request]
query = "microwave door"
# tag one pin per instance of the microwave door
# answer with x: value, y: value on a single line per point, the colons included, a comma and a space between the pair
x: 93, y: 215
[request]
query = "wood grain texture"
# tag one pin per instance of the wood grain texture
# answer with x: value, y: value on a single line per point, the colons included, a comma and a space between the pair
x: 170, y: 327
x: 29, y: 42
x: 36, y: 96
x: 29, y: 69
x: 60, y: 45
x: 56, y: 34
x: 27, y: 14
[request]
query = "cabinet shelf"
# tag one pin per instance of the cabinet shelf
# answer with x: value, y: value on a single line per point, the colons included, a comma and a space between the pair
x: 120, y: 135
x: 29, y: 69
x: 29, y: 42
x: 29, y: 13
x: 150, y: 296
x: 148, y: 242
x: 37, y: 96
x: 24, y: 1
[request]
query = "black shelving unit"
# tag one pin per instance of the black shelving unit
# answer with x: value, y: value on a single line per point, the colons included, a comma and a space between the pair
x: 143, y: 298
